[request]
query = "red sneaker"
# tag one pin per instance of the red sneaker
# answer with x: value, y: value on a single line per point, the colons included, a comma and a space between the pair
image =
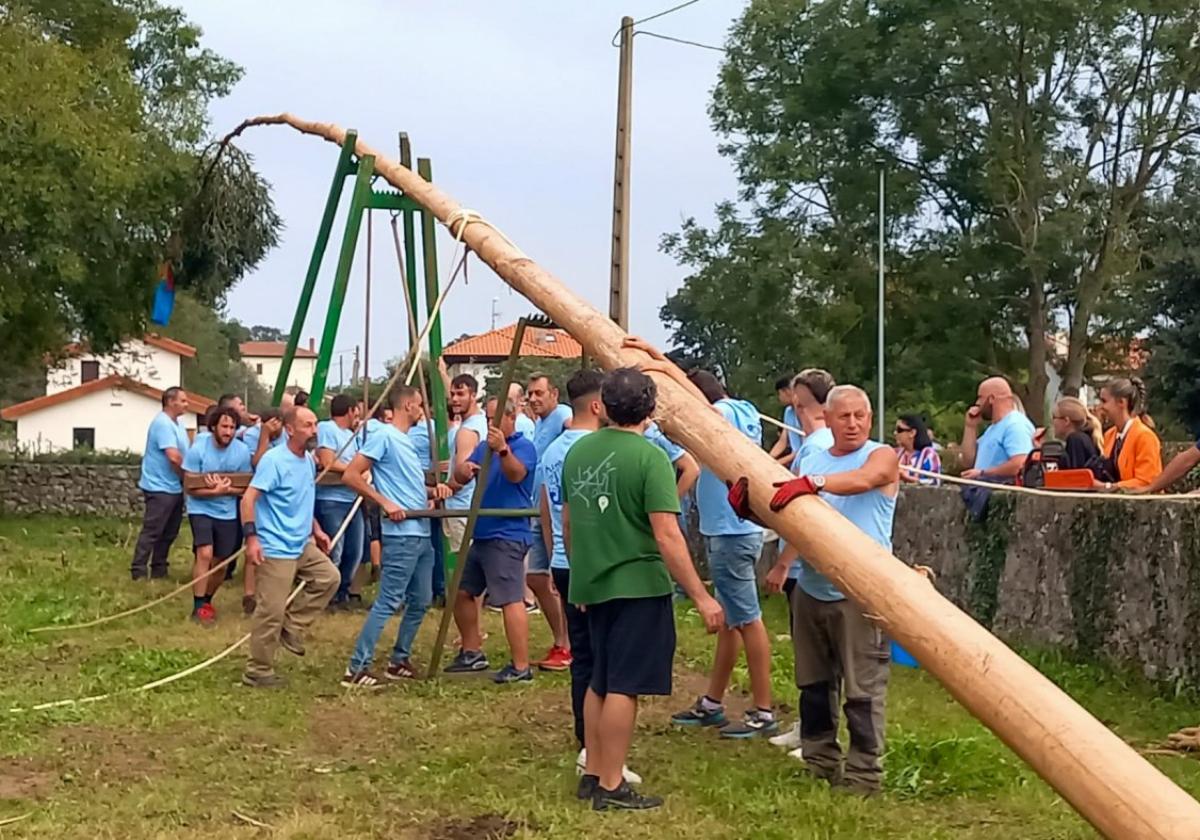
x: 205, y: 615
x: 558, y: 659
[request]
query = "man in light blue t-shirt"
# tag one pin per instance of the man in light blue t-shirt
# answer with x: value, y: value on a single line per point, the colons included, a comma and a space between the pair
x: 734, y: 545
x: 212, y: 509
x: 336, y: 445
x: 999, y: 453
x: 551, y: 418
x: 285, y: 544
x: 406, y: 564
x: 162, y: 491
x: 473, y: 428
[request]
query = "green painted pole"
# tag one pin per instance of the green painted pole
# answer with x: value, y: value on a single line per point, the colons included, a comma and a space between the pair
x: 510, y: 366
x: 345, y: 167
x: 429, y: 253
x: 410, y: 237
x: 359, y: 202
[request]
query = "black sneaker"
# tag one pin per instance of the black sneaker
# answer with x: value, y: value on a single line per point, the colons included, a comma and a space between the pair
x: 263, y: 680
x: 468, y: 662
x: 355, y: 603
x: 588, y: 785
x: 624, y: 798
x: 697, y: 715
x: 510, y: 674
x: 755, y: 723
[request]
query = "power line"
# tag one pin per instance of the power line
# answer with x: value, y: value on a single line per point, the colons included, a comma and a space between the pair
x: 663, y: 13
x: 681, y: 41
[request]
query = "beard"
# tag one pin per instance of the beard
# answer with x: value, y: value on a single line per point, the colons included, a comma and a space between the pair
x: 310, y: 445
x: 986, y: 412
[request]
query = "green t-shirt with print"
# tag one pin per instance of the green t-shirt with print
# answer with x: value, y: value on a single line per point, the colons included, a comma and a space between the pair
x: 612, y: 481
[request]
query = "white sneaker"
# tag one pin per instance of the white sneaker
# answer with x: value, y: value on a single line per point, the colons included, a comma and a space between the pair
x: 797, y: 754
x: 789, y: 740
x: 581, y: 764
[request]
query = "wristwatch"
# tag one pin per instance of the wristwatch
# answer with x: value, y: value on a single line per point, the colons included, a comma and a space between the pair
x: 818, y: 481
x: 1108, y: 486
x: 502, y: 452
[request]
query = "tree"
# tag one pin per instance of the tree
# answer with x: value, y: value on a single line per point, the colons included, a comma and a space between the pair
x: 260, y: 332
x: 1021, y: 141
x: 216, y: 369
x: 103, y: 105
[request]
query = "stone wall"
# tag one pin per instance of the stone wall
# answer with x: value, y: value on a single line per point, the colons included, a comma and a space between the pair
x: 1116, y: 580
x: 70, y: 489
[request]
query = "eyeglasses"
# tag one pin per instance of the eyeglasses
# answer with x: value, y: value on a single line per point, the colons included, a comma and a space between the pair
x: 901, y: 430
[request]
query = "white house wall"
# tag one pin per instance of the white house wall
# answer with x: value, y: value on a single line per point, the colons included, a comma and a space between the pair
x: 301, y: 374
x: 120, y: 418
x: 139, y: 361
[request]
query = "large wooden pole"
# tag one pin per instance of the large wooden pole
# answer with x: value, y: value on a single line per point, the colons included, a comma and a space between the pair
x: 618, y: 287
x: 1114, y: 788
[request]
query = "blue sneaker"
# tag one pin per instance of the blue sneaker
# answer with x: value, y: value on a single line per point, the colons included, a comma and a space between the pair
x: 510, y: 674
x: 468, y: 662
x: 755, y: 723
x: 698, y: 715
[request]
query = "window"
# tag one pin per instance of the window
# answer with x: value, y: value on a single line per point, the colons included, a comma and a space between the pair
x: 89, y: 371
x: 258, y: 368
x: 83, y: 438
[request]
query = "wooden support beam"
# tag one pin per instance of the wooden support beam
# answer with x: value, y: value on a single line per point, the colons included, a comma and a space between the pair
x: 238, y: 481
x: 1110, y: 784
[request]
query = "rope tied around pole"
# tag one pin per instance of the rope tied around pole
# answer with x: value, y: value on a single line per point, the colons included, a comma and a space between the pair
x: 463, y: 216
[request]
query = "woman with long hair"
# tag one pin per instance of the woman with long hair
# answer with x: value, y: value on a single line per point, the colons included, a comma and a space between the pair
x: 915, y: 448
x: 1079, y: 430
x: 1130, y: 445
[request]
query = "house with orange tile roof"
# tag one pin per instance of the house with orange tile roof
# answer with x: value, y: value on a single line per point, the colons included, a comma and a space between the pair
x: 480, y: 355
x: 264, y: 358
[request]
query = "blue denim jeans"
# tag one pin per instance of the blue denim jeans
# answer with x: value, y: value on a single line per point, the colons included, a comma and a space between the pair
x: 731, y: 560
x: 347, y: 554
x: 439, y: 560
x: 406, y: 577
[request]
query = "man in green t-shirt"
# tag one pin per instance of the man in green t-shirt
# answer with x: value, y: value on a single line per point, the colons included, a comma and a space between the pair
x: 624, y: 546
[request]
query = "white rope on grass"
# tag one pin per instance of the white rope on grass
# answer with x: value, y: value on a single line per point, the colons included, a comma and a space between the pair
x: 1013, y: 488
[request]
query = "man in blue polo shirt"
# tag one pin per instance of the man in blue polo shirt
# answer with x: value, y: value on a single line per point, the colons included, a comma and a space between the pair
x: 162, y: 491
x: 550, y: 419
x: 496, y: 559
x: 999, y: 453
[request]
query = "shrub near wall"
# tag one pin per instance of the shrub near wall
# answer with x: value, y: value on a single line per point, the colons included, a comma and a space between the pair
x: 1112, y: 579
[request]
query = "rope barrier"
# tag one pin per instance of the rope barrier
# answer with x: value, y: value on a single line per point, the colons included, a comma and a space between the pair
x: 1013, y: 488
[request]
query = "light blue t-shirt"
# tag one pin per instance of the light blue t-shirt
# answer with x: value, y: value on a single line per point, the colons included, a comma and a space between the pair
x: 284, y: 511
x: 331, y: 436
x: 818, y: 441
x: 871, y: 512
x: 478, y: 424
x: 717, y: 518
x: 795, y: 439
x: 158, y: 476
x: 547, y: 429
x: 419, y: 435
x: 253, y: 433
x: 525, y: 426
x: 206, y: 457
x: 656, y: 436
x: 398, y: 475
x: 549, y: 475
x: 1012, y: 435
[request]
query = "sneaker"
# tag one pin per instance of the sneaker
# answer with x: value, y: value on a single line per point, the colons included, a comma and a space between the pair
x: 338, y: 606
x: 510, y: 674
x: 558, y: 659
x: 263, y: 680
x: 205, y: 615
x: 467, y: 662
x: 626, y: 773
x: 291, y: 642
x: 361, y: 679
x: 624, y: 798
x: 588, y: 784
x: 789, y: 740
x: 355, y: 603
x: 402, y: 670
x: 531, y: 608
x: 697, y: 715
x: 862, y: 791
x: 249, y: 602
x: 755, y: 722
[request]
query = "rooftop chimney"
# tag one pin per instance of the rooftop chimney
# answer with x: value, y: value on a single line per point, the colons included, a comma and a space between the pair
x: 312, y: 344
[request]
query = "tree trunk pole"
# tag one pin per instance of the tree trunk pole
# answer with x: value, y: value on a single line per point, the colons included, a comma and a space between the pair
x: 1110, y: 784
x: 618, y: 294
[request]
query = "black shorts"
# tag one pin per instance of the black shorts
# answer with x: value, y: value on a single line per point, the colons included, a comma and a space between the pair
x: 497, y: 567
x: 224, y: 535
x: 633, y: 645
x: 374, y: 520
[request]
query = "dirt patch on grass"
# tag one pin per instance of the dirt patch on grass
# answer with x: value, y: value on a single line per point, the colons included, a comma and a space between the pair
x: 22, y: 778
x: 483, y: 827
x: 109, y: 754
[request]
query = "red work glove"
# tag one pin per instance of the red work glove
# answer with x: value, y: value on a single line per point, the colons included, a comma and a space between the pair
x: 739, y: 500
x: 788, y: 490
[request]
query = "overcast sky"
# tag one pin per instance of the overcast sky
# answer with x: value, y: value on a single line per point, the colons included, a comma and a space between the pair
x: 515, y: 103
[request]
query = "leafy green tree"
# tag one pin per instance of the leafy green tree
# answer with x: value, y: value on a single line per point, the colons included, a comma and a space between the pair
x: 215, y: 370
x: 102, y: 175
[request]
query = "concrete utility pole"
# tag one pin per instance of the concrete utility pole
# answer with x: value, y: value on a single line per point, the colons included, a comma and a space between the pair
x: 618, y: 301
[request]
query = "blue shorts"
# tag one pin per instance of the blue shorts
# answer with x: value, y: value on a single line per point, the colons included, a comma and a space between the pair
x: 539, y: 561
x: 731, y: 561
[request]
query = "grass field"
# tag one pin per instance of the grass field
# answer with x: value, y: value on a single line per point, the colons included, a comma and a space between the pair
x: 458, y: 758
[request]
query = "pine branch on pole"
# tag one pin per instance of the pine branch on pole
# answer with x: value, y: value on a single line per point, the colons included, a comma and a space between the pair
x: 1110, y: 784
